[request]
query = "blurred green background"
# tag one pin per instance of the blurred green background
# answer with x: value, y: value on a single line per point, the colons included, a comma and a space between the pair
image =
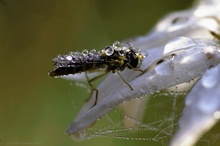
x: 36, y: 109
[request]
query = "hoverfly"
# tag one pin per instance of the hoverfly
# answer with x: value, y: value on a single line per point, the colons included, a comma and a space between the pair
x: 110, y: 59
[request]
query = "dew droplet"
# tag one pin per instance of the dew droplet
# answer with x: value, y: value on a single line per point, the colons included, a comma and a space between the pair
x: 109, y: 51
x: 136, y: 50
x: 116, y: 44
x: 85, y: 52
x: 69, y: 57
x: 121, y: 52
x: 93, y: 51
x: 60, y: 57
x: 178, y: 44
x: 55, y: 60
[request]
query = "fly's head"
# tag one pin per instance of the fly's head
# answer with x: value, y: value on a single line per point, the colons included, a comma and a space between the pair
x: 135, y: 57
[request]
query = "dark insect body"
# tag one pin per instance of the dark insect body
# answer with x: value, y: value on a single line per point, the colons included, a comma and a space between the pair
x: 111, y: 59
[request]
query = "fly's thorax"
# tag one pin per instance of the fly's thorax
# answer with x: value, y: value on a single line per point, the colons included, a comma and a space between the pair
x: 126, y: 55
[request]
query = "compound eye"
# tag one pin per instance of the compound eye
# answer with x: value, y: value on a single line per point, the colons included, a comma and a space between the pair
x: 109, y: 50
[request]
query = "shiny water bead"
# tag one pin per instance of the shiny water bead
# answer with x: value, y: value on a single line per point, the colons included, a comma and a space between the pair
x: 116, y: 44
x: 76, y: 56
x: 55, y: 59
x: 93, y: 51
x: 97, y: 56
x: 82, y: 57
x: 69, y: 57
x: 122, y: 51
x: 109, y: 51
x: 77, y: 53
x: 70, y: 53
x: 134, y: 49
x: 117, y: 48
x: 90, y: 57
x: 60, y: 60
x: 60, y: 57
x: 85, y: 52
x: 129, y: 46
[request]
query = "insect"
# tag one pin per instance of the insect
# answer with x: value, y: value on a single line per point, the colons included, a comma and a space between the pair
x: 110, y: 59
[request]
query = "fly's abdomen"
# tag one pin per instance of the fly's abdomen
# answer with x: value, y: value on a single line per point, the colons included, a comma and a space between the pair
x: 61, y: 71
x: 75, y: 62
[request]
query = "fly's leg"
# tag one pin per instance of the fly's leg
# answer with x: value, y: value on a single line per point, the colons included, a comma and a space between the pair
x: 124, y: 80
x: 92, y: 87
x: 215, y: 34
x: 135, y: 69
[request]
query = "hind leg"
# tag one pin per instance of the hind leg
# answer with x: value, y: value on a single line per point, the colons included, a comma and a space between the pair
x: 94, y: 88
